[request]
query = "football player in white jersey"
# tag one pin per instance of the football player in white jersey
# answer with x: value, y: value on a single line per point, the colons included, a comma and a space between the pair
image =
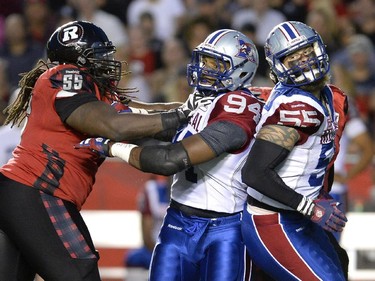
x: 285, y: 217
x: 201, y: 235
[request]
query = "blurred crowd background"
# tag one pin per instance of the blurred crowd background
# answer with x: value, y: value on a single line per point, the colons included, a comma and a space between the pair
x: 156, y: 37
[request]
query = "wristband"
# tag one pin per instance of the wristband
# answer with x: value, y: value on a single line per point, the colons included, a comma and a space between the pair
x: 122, y: 150
x: 138, y: 110
x: 305, y: 206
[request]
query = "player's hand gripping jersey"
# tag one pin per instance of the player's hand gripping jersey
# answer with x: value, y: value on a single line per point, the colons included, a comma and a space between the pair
x: 217, y: 184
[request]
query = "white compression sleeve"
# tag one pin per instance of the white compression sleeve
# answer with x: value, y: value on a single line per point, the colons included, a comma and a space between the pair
x: 122, y: 150
x: 138, y: 110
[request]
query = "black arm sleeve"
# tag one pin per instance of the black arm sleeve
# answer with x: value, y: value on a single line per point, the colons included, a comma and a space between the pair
x: 330, y: 179
x: 173, y: 118
x: 259, y: 173
x: 224, y: 136
x: 164, y: 159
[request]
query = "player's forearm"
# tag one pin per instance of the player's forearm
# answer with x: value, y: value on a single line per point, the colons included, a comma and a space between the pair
x: 259, y: 173
x: 160, y: 159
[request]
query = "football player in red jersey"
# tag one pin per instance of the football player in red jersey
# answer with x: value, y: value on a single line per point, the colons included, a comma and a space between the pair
x: 45, y: 184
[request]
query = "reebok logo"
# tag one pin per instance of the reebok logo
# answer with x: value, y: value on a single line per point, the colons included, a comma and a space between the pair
x: 175, y: 227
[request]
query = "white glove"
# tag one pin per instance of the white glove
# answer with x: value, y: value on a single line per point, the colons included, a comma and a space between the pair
x: 196, y: 100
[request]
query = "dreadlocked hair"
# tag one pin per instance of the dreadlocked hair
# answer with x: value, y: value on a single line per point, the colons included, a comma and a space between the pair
x: 17, y: 111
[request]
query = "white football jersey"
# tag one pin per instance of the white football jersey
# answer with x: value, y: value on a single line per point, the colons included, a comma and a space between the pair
x: 316, y: 121
x: 216, y: 185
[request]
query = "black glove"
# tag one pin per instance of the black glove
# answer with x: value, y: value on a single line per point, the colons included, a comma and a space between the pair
x: 174, y: 118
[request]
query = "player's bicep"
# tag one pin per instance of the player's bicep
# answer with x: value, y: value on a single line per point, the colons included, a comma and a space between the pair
x: 283, y: 136
x: 66, y: 106
x: 198, y: 150
x: 85, y: 117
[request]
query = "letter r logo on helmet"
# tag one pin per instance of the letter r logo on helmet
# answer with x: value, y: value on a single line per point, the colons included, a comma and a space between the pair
x: 70, y: 33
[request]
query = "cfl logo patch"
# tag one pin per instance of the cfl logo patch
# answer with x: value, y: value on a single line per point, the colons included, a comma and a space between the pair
x: 70, y: 34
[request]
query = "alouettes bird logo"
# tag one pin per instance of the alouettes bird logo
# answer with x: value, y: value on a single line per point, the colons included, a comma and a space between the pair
x: 246, y: 51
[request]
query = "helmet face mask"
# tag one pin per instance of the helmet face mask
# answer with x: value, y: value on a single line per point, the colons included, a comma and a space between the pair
x: 226, y: 61
x: 286, y: 41
x: 86, y: 45
x: 103, y: 64
x: 212, y: 70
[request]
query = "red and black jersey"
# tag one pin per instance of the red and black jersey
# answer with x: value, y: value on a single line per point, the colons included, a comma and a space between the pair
x: 46, y: 158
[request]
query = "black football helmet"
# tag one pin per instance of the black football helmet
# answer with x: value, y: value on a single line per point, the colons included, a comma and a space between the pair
x: 84, y: 44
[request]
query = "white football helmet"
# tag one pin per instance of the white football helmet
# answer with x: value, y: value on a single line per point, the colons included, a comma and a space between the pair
x: 288, y: 37
x: 230, y: 48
